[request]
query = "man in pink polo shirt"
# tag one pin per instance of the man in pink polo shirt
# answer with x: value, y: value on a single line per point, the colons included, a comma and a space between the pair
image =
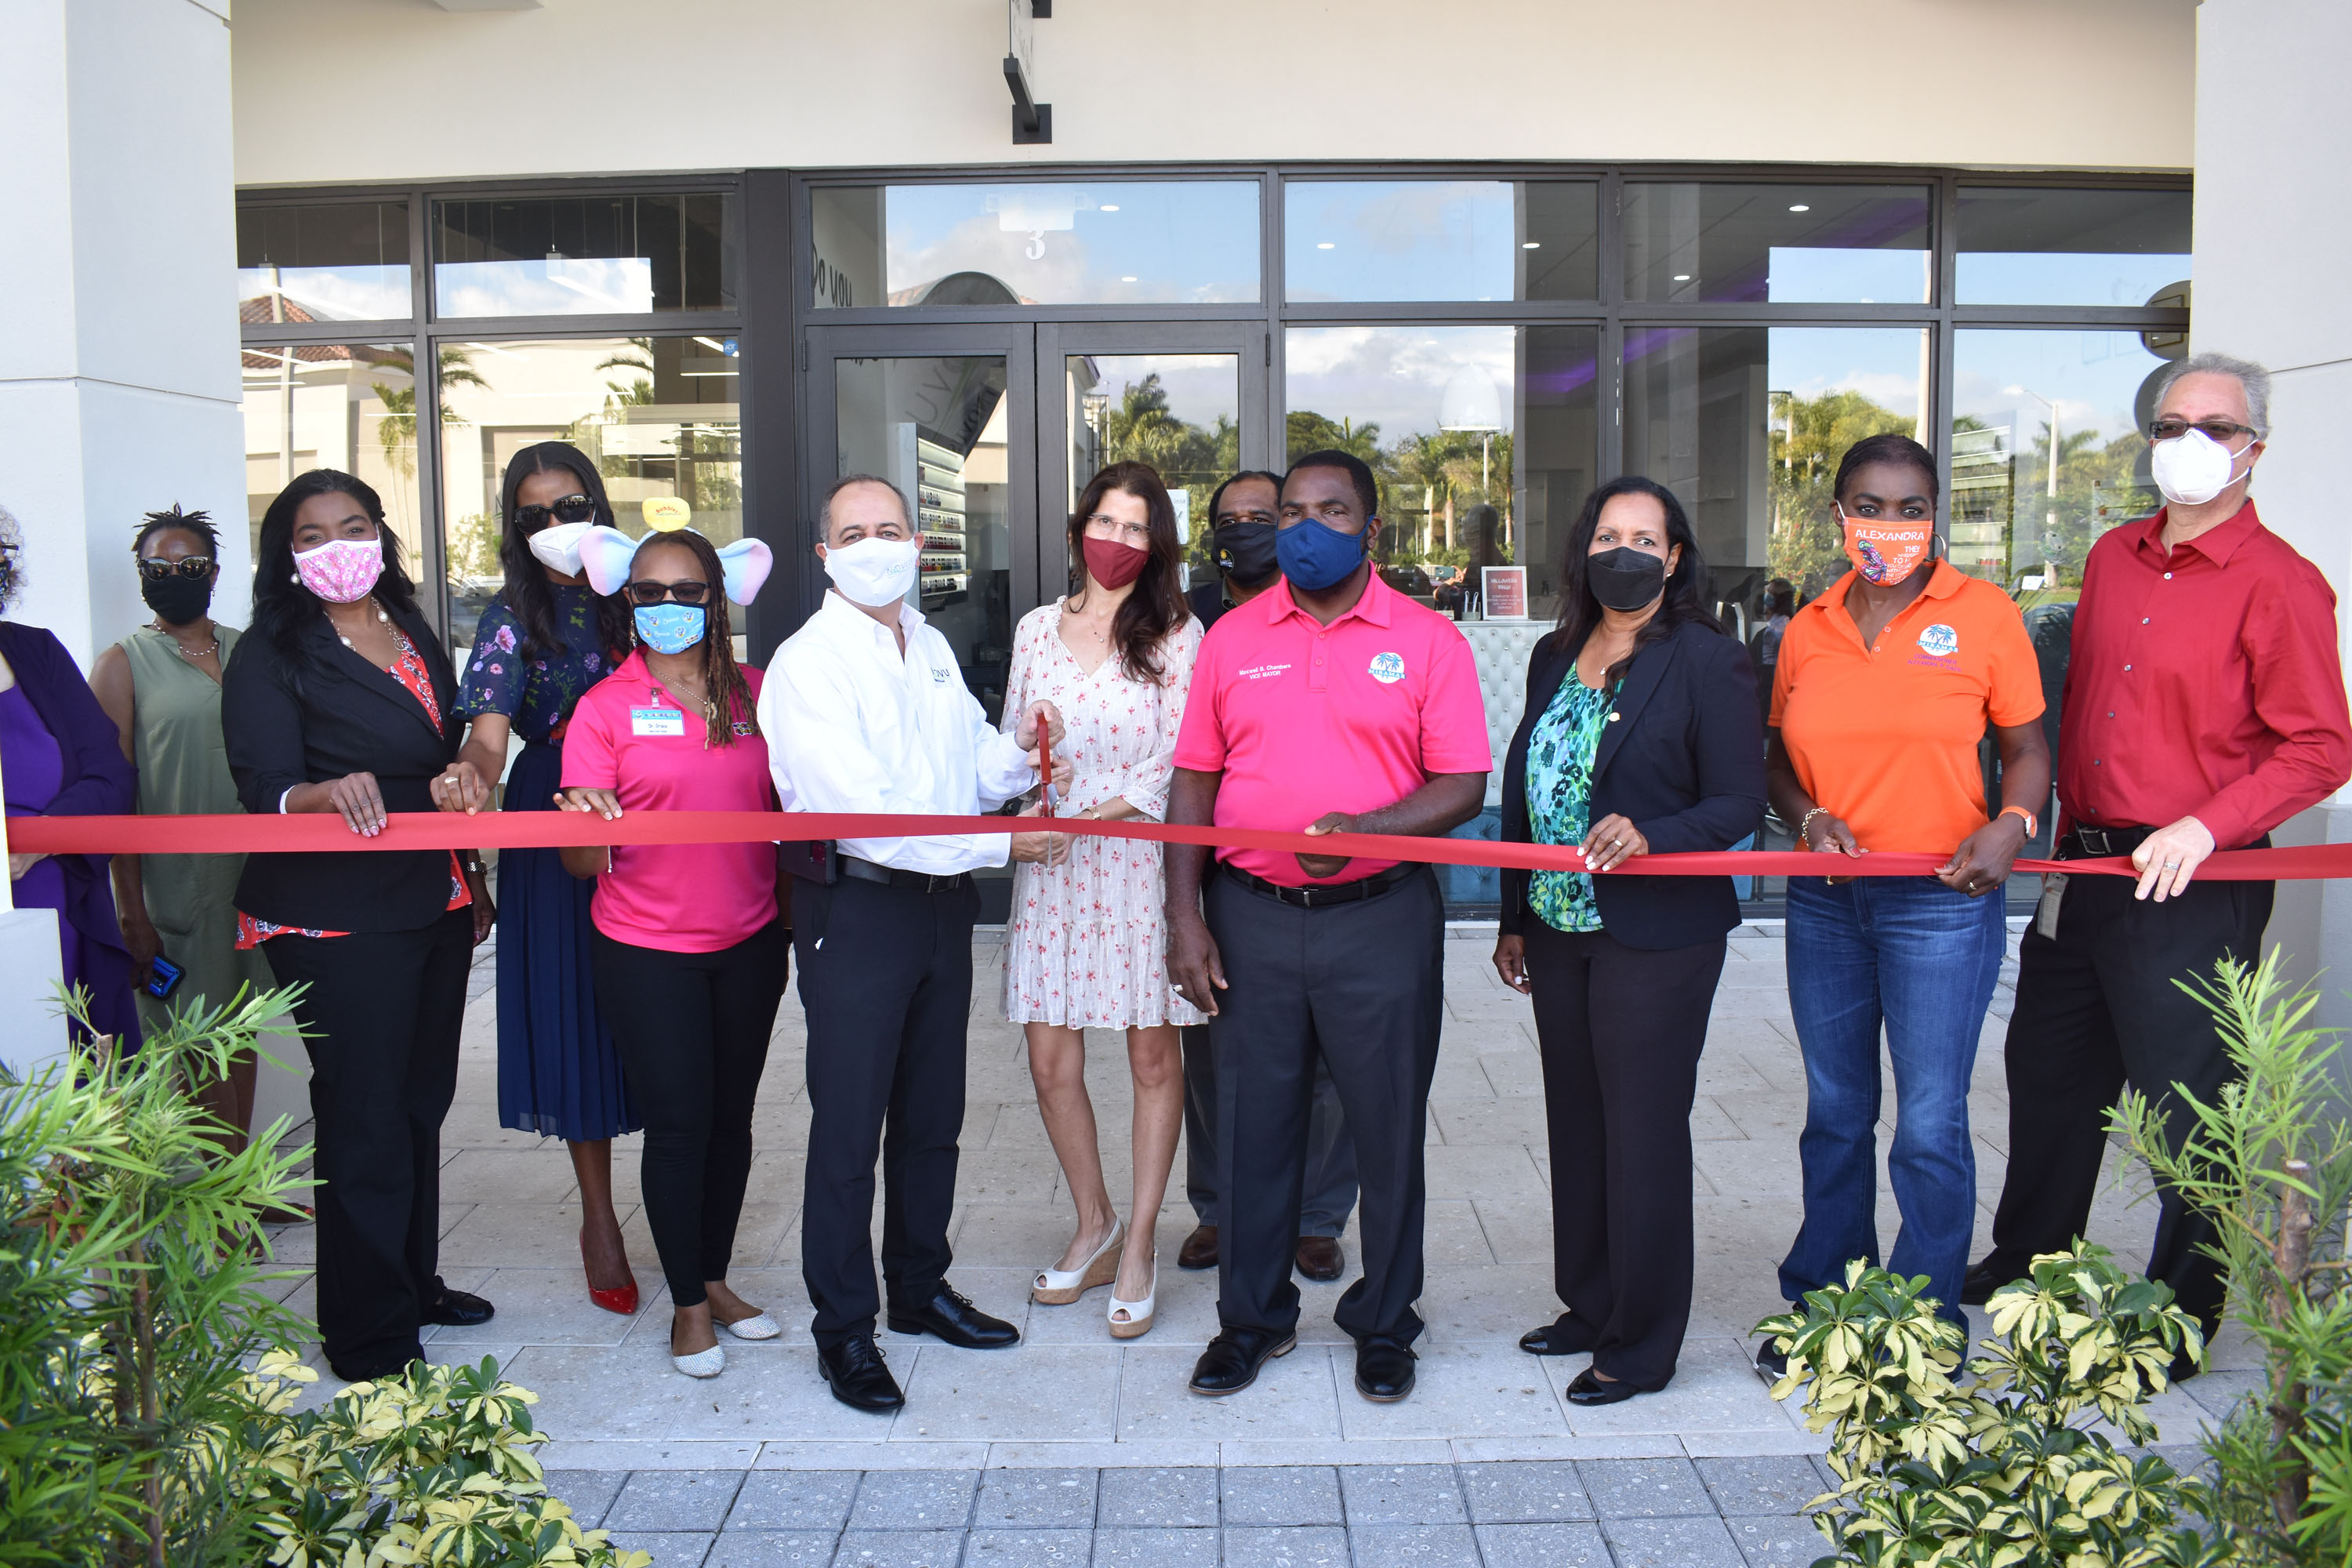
x: 1333, y: 704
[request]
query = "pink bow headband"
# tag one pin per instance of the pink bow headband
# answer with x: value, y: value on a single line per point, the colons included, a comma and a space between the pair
x: 605, y: 554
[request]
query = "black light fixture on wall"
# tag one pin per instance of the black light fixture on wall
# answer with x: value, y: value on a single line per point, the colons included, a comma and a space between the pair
x: 1033, y: 122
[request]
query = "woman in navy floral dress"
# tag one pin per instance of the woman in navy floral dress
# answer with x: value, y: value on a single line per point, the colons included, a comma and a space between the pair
x: 544, y: 639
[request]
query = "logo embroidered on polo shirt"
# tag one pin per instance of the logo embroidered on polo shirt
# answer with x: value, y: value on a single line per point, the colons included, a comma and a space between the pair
x: 1388, y: 668
x: 1939, y: 640
x: 939, y: 676
x: 1261, y: 671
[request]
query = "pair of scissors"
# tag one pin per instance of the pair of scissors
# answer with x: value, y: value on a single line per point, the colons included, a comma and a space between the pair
x: 1045, y: 768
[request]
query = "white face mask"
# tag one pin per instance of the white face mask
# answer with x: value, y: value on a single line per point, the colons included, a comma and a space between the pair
x: 558, y: 546
x: 2192, y: 469
x: 873, y: 572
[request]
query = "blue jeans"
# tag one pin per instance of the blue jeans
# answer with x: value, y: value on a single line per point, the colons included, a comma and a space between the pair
x: 1920, y: 958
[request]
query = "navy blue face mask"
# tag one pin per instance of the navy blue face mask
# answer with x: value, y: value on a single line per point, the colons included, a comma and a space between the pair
x: 1315, y: 557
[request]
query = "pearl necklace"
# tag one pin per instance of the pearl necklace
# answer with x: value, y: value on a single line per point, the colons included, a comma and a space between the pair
x: 382, y: 619
x: 181, y: 648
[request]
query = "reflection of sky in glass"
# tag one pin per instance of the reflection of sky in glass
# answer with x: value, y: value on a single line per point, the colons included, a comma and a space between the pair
x: 554, y: 285
x: 1395, y: 376
x: 1398, y: 239
x: 1200, y: 388
x: 1883, y: 364
x: 1162, y: 242
x: 1811, y: 275
x: 2062, y: 277
x: 2091, y: 376
x: 334, y: 293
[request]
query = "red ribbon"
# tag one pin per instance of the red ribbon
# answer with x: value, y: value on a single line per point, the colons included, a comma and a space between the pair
x: 326, y: 832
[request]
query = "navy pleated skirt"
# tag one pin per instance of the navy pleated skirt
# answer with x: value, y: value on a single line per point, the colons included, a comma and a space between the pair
x: 558, y: 1072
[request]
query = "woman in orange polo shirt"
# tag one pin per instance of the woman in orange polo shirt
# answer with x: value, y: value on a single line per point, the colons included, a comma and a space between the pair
x: 1886, y: 683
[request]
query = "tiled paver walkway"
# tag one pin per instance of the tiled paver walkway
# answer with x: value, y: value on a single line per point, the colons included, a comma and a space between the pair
x: 996, y: 1452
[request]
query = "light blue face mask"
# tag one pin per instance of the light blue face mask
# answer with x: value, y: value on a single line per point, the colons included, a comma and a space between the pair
x: 670, y: 628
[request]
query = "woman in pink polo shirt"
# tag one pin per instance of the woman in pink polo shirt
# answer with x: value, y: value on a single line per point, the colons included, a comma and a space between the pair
x: 690, y: 950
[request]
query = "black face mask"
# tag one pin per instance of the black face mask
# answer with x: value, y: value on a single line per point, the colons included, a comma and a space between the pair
x: 1625, y: 578
x: 177, y: 600
x: 1245, y: 551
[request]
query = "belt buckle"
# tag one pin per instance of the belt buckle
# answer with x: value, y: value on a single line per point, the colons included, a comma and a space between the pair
x: 2094, y: 839
x: 1306, y: 895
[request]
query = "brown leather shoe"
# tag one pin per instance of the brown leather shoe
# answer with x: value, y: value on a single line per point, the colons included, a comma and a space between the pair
x: 1320, y: 1260
x: 1200, y: 1249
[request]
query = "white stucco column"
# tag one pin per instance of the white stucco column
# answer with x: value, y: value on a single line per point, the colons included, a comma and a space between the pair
x: 119, y: 353
x: 2273, y: 239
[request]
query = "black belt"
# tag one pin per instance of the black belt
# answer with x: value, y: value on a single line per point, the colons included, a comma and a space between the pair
x: 890, y: 876
x: 2099, y: 843
x: 1316, y: 895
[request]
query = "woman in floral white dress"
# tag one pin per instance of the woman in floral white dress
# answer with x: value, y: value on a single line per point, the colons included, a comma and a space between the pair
x: 1089, y: 943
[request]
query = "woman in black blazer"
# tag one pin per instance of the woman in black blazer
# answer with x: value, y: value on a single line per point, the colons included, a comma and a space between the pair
x: 1641, y: 736
x: 340, y: 700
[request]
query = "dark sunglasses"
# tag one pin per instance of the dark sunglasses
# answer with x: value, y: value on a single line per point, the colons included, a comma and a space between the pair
x: 2220, y: 430
x: 649, y: 592
x: 155, y: 570
x: 570, y: 509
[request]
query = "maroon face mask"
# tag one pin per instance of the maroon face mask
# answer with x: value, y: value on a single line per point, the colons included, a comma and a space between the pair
x: 1112, y: 563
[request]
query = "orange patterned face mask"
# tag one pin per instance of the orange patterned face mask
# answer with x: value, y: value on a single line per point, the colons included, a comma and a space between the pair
x: 1885, y: 551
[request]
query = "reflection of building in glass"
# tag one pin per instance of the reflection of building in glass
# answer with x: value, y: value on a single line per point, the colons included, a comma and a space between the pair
x: 1984, y: 478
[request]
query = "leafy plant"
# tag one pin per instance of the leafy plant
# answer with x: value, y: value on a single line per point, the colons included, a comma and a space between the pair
x: 2012, y: 1467
x: 2269, y: 1159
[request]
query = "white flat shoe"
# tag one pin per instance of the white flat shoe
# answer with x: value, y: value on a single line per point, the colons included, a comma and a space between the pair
x: 758, y: 1327
x: 702, y: 1364
x: 1060, y: 1287
x: 1132, y: 1320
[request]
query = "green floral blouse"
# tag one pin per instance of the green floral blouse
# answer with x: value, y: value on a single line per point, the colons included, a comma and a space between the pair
x: 1560, y: 799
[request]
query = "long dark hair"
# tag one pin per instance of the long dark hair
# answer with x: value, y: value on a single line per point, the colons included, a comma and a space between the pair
x: 283, y: 609
x: 1156, y: 607
x: 1685, y: 597
x: 722, y: 679
x: 527, y: 592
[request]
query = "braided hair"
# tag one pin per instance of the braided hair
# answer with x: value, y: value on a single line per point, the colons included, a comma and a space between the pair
x: 728, y: 695
x: 199, y: 524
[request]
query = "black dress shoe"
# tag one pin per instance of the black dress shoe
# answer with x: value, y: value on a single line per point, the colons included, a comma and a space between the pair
x: 951, y: 1316
x: 1230, y: 1363
x: 1320, y: 1260
x: 1200, y: 1249
x: 1384, y: 1371
x: 859, y: 1375
x: 459, y: 1310
x: 1771, y: 1362
x: 1560, y: 1338
x: 1980, y: 1282
x: 1588, y: 1389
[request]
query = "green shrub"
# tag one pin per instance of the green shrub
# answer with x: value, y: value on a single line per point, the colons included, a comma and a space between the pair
x: 2011, y: 1468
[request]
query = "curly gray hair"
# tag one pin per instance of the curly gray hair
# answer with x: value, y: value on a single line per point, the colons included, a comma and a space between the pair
x: 2244, y: 372
x: 12, y: 548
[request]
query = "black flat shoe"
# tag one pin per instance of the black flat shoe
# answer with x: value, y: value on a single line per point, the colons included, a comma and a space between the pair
x: 859, y: 1375
x: 1231, y: 1361
x: 950, y: 1316
x: 1383, y: 1371
x: 1980, y: 1281
x: 1555, y: 1339
x: 1771, y: 1364
x: 1588, y: 1389
x: 459, y: 1310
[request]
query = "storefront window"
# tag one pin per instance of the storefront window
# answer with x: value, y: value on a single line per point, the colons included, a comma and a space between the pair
x: 2025, y: 247
x: 348, y: 407
x: 1180, y: 412
x: 1441, y: 240
x: 659, y: 416
x: 596, y: 256
x: 344, y: 262
x: 1188, y: 242
x: 2047, y: 453
x: 1746, y: 425
x: 1846, y: 244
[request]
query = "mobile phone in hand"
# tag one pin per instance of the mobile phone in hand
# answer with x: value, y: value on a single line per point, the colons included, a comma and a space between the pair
x: 162, y: 975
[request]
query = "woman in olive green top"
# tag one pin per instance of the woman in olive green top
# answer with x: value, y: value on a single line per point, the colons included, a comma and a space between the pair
x: 161, y: 685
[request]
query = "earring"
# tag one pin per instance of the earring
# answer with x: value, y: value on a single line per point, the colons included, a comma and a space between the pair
x: 295, y: 578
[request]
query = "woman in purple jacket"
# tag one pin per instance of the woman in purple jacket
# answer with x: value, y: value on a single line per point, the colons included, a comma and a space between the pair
x: 60, y: 757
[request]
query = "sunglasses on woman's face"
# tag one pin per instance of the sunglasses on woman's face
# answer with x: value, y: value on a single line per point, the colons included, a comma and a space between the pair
x: 570, y: 509
x: 651, y: 593
x: 155, y: 569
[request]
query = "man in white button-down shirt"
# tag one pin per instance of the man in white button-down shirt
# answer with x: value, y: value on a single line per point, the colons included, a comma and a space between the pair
x: 864, y: 710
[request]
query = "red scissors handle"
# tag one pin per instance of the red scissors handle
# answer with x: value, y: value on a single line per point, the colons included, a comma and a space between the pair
x: 1045, y: 770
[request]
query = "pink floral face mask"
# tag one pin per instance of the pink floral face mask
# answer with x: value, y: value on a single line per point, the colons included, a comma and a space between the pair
x: 342, y: 571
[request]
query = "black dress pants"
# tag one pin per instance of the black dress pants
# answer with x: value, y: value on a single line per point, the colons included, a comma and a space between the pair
x: 2097, y: 1008
x: 1330, y: 1192
x: 692, y: 1029
x: 381, y: 1018
x: 886, y: 979
x: 1620, y: 1029
x: 1360, y: 984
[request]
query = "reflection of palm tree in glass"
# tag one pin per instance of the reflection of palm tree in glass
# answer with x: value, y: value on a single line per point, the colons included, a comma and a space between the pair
x: 638, y: 356
x: 396, y: 431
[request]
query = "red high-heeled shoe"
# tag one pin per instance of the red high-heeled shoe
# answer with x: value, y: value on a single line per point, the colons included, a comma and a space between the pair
x: 621, y: 1298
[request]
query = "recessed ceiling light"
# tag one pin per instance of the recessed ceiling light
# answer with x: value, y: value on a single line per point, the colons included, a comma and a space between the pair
x: 1681, y: 277
x: 1799, y: 208
x: 1127, y: 279
x: 1532, y: 245
x: 1107, y: 207
x: 1322, y: 245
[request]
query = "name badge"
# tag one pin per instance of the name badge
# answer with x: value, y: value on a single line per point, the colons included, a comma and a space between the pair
x: 656, y: 722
